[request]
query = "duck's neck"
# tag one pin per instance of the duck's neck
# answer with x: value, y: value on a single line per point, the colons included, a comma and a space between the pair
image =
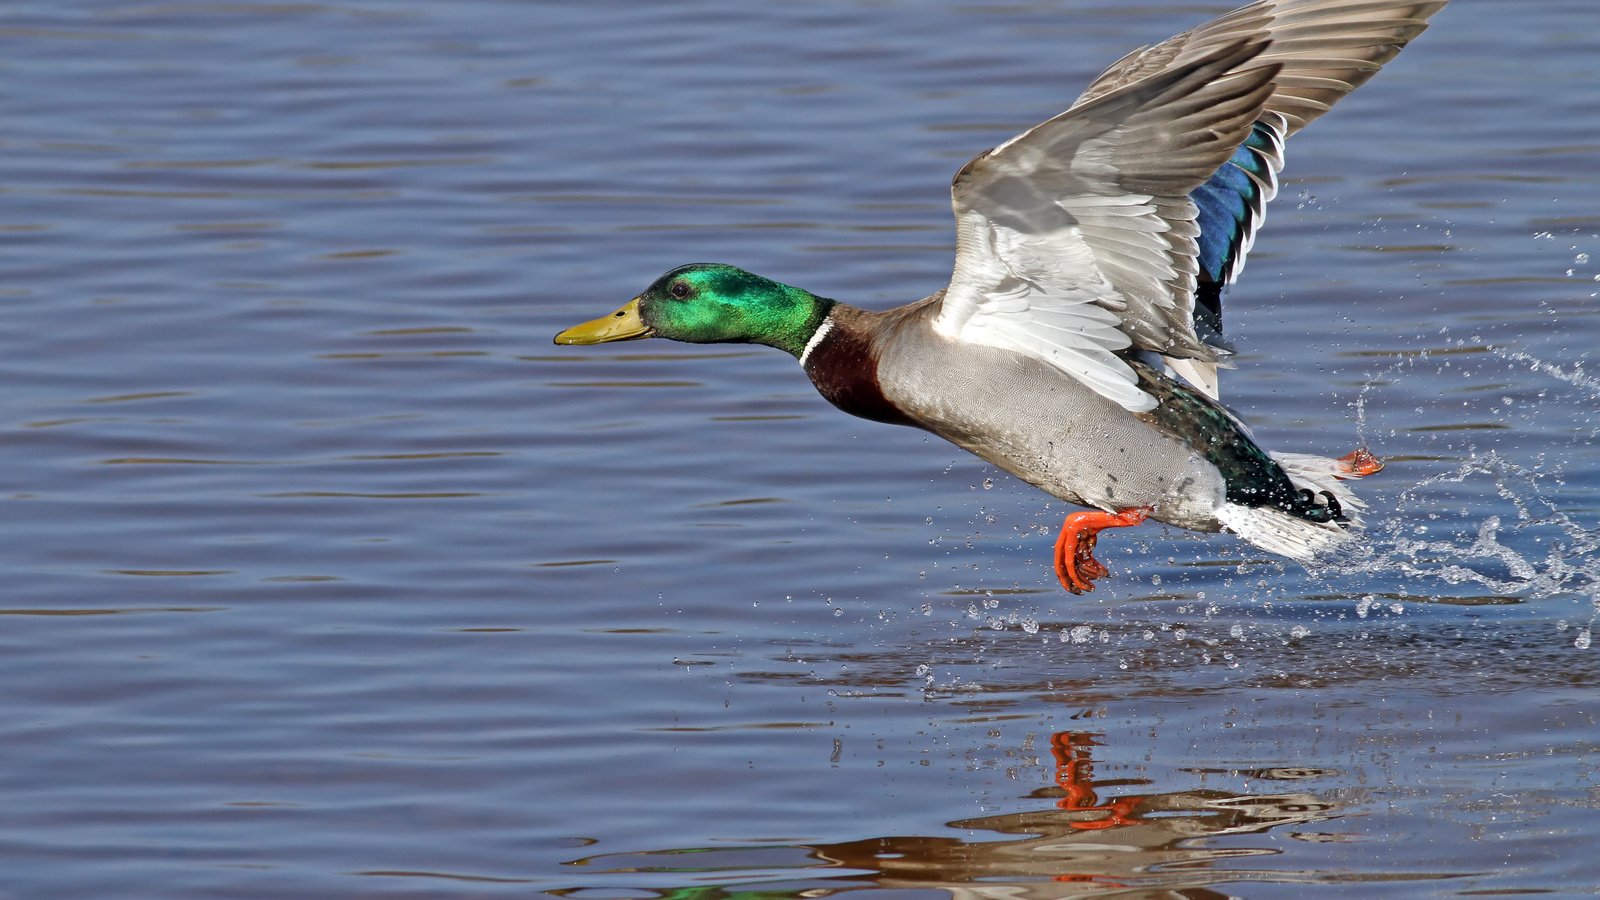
x: 802, y: 325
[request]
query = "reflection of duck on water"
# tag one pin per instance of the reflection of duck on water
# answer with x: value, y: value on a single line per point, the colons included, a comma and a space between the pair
x: 1093, y: 840
x: 1075, y: 778
x: 1074, y: 773
x: 1095, y: 837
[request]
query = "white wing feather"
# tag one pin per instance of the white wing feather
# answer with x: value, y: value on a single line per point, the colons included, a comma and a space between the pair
x: 1071, y: 245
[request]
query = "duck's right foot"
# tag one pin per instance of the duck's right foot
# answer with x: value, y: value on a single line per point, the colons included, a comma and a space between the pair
x: 1076, y: 566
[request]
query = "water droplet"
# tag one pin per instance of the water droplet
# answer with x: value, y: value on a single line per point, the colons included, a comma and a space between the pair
x: 1299, y: 631
x: 1582, y: 640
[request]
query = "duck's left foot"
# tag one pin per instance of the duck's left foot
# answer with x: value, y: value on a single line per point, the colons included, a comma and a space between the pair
x: 1358, y: 463
x: 1075, y: 563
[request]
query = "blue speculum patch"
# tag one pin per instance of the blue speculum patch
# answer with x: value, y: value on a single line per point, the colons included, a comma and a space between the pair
x: 1229, y: 204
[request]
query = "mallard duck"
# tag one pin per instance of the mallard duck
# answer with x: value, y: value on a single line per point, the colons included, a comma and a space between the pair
x: 1078, y: 341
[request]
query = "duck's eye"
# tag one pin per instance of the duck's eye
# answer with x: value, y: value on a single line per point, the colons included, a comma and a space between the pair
x: 679, y: 289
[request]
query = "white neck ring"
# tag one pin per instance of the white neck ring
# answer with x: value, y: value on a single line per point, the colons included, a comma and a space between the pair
x: 816, y: 338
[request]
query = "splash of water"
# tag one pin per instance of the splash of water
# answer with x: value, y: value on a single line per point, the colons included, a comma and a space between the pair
x: 1574, y: 376
x: 1544, y: 552
x: 1568, y: 564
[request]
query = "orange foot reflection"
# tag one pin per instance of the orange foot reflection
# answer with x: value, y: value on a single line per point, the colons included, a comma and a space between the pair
x: 1075, y: 776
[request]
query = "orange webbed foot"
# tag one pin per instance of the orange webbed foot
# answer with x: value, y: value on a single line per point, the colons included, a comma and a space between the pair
x: 1076, y: 566
x: 1358, y: 463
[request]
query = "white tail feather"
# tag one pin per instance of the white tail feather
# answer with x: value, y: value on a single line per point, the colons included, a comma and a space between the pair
x: 1279, y: 532
x: 1288, y: 535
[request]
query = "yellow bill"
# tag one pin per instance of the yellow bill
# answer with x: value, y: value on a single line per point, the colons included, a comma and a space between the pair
x: 622, y: 325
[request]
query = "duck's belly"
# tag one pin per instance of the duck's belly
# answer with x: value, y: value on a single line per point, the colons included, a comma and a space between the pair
x: 1052, y: 432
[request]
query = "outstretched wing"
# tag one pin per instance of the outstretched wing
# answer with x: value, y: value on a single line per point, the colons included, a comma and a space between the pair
x: 1327, y: 48
x: 1117, y: 224
x: 1076, y: 239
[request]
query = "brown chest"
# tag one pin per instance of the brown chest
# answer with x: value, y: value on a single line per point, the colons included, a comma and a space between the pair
x: 844, y: 369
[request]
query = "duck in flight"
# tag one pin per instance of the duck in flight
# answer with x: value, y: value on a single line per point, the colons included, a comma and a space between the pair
x: 1078, y: 342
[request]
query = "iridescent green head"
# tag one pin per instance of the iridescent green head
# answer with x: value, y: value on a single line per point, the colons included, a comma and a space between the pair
x: 709, y: 303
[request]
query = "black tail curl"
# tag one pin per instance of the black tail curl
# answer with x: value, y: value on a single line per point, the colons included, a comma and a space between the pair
x: 1309, y: 509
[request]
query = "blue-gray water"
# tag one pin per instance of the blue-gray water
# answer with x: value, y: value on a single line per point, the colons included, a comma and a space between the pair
x: 326, y: 575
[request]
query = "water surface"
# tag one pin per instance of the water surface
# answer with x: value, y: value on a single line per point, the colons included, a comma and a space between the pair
x: 326, y: 575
